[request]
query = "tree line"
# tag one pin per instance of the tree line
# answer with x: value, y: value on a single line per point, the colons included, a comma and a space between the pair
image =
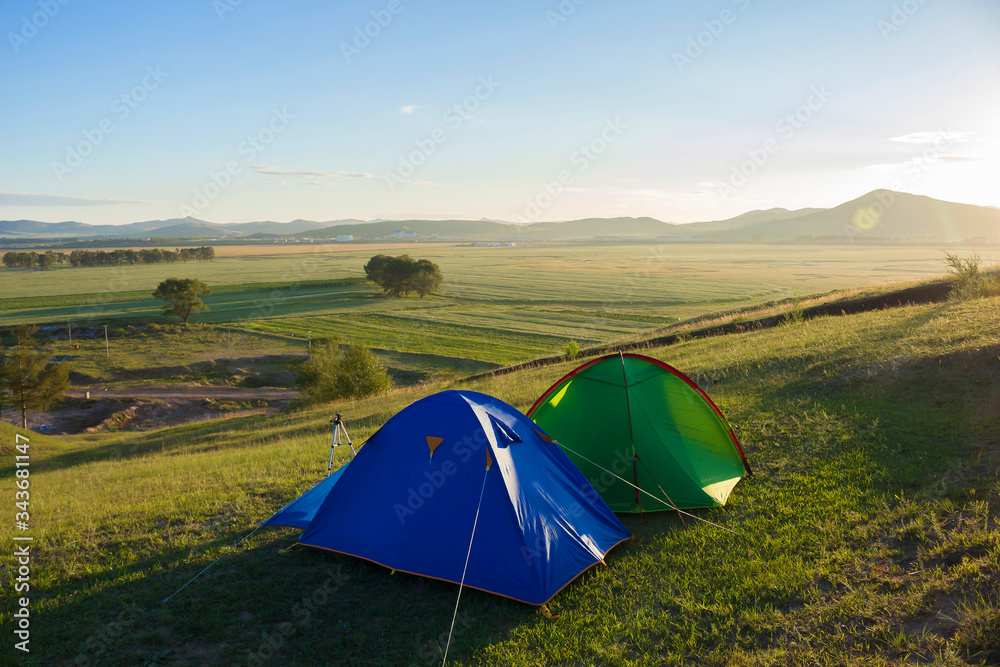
x: 46, y: 260
x: 31, y: 260
x: 398, y: 276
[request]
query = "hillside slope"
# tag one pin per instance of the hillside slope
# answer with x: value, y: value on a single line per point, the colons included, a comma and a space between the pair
x: 868, y: 533
x: 881, y: 214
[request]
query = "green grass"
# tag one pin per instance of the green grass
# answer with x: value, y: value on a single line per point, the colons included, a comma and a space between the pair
x: 500, y: 334
x: 498, y: 304
x: 175, y: 353
x: 868, y: 534
x: 64, y: 300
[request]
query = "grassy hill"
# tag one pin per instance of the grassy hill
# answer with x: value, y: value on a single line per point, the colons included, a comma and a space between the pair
x: 868, y: 534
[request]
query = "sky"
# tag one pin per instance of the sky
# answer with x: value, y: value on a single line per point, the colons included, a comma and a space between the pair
x: 240, y: 110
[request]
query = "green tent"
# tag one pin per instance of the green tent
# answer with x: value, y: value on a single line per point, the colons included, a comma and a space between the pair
x: 629, y: 416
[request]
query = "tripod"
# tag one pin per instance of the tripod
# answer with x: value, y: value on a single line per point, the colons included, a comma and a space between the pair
x: 339, y: 428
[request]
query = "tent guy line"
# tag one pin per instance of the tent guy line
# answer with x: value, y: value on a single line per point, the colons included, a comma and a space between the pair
x: 228, y: 550
x: 674, y: 507
x: 465, y: 569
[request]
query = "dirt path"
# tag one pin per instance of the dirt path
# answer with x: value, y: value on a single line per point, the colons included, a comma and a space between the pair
x: 185, y: 393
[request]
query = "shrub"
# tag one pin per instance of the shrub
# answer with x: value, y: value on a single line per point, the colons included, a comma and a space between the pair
x: 571, y: 350
x: 967, y: 281
x: 794, y: 316
x: 327, y: 375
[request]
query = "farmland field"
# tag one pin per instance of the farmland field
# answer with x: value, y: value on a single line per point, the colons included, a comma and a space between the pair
x: 498, y: 304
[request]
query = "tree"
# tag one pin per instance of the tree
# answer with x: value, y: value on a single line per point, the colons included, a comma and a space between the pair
x: 398, y: 276
x: 182, y: 296
x: 427, y: 277
x: 327, y: 375
x: 375, y: 268
x: 29, y: 379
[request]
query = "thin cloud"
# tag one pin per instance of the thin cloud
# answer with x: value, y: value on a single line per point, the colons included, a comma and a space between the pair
x: 933, y: 137
x: 45, y: 199
x: 409, y: 108
x: 275, y: 171
x: 888, y: 167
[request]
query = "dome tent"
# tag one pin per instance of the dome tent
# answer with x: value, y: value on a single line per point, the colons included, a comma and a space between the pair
x: 630, y: 417
x: 457, y: 459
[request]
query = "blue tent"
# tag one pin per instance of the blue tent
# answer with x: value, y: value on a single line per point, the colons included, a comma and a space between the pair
x: 456, y: 459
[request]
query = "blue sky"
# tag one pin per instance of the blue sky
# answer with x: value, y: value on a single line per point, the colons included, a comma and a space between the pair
x: 233, y: 111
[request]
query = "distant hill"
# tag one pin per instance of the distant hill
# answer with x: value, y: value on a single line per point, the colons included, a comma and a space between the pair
x: 171, y: 228
x: 881, y: 215
x: 604, y: 227
x: 754, y: 217
x: 503, y: 231
x: 272, y: 228
x: 188, y: 230
x: 478, y: 229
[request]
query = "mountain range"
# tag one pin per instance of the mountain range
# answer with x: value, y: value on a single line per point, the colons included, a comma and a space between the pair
x: 881, y: 215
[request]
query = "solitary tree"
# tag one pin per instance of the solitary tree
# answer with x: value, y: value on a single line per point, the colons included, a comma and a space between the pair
x: 29, y: 379
x: 327, y: 375
x: 398, y: 276
x: 182, y: 296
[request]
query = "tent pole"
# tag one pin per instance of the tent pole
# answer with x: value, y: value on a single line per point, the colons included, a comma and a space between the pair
x: 631, y: 436
x: 661, y: 490
x: 454, y: 614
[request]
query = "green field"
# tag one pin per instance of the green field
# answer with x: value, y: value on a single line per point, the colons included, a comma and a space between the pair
x: 498, y: 304
x: 867, y: 535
